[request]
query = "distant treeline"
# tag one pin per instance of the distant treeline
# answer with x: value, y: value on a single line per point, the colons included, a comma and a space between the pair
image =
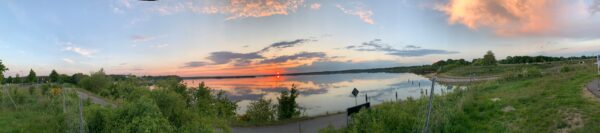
x: 536, y: 59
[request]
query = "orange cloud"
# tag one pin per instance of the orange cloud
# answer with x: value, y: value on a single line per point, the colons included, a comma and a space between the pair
x: 261, y: 8
x: 505, y: 17
x: 234, y: 8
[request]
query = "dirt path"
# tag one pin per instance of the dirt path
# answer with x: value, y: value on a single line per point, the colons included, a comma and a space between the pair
x: 306, y: 126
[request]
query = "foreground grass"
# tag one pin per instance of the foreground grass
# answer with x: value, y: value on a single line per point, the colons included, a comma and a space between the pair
x: 486, y: 71
x: 551, y: 103
x: 37, y: 112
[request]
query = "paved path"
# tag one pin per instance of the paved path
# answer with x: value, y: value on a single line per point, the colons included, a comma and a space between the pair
x: 306, y: 126
x: 594, y: 87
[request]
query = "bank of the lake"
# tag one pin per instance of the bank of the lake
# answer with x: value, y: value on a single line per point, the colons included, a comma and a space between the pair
x: 534, y: 98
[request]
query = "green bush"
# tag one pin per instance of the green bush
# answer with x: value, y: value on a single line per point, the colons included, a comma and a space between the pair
x: 260, y: 111
x: 96, y: 82
x: 565, y: 69
x: 287, y: 107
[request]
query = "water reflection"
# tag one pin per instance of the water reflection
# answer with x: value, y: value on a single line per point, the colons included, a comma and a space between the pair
x: 320, y: 94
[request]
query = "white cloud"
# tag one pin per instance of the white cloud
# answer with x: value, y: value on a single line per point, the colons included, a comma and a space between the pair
x: 80, y: 51
x: 361, y: 12
x: 70, y: 61
x: 159, y: 45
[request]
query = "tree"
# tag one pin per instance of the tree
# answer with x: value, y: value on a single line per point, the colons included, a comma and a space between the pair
x: 489, y: 59
x: 2, y: 70
x: 77, y: 77
x: 288, y: 108
x: 63, y: 78
x: 31, y: 78
x: 96, y: 82
x: 53, y: 76
x: 9, y: 80
x: 17, y: 79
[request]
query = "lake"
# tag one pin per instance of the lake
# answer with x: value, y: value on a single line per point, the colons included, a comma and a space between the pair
x: 322, y: 94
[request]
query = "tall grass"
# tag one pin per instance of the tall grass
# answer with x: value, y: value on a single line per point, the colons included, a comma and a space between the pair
x: 548, y: 103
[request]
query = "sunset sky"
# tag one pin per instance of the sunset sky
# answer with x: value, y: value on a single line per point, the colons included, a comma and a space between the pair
x: 244, y: 37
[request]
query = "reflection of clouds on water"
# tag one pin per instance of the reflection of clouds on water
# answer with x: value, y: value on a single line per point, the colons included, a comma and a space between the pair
x: 245, y: 97
x: 308, y: 92
x: 336, y: 78
x: 320, y: 94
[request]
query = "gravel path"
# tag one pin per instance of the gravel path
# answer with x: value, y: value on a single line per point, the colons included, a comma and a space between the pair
x: 594, y: 87
x: 463, y: 79
x: 94, y: 99
x: 306, y: 126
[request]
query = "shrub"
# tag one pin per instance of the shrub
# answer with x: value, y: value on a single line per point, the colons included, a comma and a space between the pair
x: 565, y: 69
x: 288, y: 108
x: 96, y: 82
x: 260, y: 111
x: 31, y: 90
x: 55, y: 91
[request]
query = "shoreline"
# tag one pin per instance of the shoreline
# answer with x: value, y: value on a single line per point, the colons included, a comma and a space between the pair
x: 460, y: 80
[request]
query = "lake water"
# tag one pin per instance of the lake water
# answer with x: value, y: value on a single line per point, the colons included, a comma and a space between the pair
x: 321, y: 94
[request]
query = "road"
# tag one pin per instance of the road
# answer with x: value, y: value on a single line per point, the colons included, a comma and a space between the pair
x: 306, y: 126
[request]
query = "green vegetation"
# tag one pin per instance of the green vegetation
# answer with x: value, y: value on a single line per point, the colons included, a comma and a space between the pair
x: 488, y: 60
x: 528, y: 98
x: 260, y: 111
x: 53, y: 76
x: 31, y: 78
x: 263, y: 112
x: 538, y: 59
x: 288, y: 108
x: 2, y: 70
x: 27, y: 110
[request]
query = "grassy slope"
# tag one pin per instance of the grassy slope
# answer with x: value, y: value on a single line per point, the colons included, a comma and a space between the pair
x: 541, y: 104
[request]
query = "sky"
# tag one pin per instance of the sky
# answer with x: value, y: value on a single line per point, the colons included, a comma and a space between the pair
x: 247, y: 37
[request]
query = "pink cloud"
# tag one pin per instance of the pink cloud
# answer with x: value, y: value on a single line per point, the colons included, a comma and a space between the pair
x: 362, y: 13
x: 505, y: 17
x: 315, y: 6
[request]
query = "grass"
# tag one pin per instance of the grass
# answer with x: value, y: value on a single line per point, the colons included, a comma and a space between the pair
x: 486, y: 71
x: 553, y: 102
x: 35, y: 112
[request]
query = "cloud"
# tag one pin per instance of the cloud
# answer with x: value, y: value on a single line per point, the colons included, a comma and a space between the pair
x: 224, y: 57
x: 315, y: 6
x: 285, y: 44
x: 138, y: 38
x: 234, y: 8
x: 70, y: 61
x: 364, y: 14
x: 595, y: 7
x: 244, y: 59
x: 302, y: 55
x: 194, y: 64
x: 408, y: 51
x: 80, y: 51
x: 343, y: 65
x: 159, y: 45
x: 504, y: 17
